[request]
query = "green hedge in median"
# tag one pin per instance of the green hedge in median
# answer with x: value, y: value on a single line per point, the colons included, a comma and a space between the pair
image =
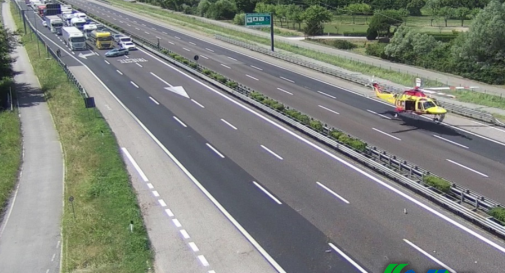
x: 498, y: 213
x: 438, y: 183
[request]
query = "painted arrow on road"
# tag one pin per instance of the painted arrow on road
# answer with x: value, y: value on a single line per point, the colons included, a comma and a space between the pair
x: 86, y: 55
x: 178, y: 90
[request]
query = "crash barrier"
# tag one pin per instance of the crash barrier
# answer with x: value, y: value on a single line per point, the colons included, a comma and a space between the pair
x: 361, y: 80
x: 461, y: 201
x: 71, y: 78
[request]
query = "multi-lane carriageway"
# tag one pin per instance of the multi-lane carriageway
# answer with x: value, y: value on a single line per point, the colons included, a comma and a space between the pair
x: 471, y: 161
x: 311, y: 213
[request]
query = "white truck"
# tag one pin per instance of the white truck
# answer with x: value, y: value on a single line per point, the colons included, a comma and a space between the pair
x: 87, y: 29
x: 74, y: 38
x: 54, y: 23
x: 77, y: 22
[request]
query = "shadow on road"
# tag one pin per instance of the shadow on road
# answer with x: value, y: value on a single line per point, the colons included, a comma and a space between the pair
x: 417, y: 123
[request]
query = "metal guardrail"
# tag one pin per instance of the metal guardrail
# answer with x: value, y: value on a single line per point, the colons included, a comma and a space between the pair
x: 70, y: 76
x: 361, y: 80
x: 387, y: 164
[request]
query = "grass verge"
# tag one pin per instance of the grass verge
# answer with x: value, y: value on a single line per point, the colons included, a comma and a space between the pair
x: 97, y: 237
x: 10, y: 144
x: 183, y: 20
x: 10, y: 154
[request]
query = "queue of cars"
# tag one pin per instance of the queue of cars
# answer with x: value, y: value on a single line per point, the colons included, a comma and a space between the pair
x: 125, y: 44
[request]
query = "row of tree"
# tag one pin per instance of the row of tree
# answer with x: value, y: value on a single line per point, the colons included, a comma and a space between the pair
x: 6, y: 47
x: 477, y: 54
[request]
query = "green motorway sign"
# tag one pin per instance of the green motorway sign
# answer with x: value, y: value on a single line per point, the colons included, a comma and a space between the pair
x: 257, y: 19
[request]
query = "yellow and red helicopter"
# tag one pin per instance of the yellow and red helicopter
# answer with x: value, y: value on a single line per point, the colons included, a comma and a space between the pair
x: 413, y: 101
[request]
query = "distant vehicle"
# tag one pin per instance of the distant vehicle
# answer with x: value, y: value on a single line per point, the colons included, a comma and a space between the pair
x: 117, y: 52
x: 78, y: 23
x: 101, y: 39
x: 128, y: 45
x: 54, y: 23
x: 117, y: 36
x: 124, y: 39
x: 44, y: 23
x: 52, y: 9
x: 41, y: 9
x: 74, y: 38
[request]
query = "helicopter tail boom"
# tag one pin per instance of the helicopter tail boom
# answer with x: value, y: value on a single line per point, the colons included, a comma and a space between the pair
x: 389, y: 97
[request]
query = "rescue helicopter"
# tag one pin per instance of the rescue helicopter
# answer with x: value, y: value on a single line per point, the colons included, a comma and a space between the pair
x: 413, y: 101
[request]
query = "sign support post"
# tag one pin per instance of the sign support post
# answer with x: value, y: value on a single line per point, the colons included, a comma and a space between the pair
x: 261, y: 20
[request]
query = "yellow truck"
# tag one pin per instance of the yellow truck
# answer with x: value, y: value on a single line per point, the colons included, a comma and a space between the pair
x: 101, y: 39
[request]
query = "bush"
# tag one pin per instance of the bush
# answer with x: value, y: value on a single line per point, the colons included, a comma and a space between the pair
x: 232, y: 85
x: 438, y: 183
x: 257, y: 96
x: 371, y: 34
x: 293, y: 113
x: 498, y: 213
x: 316, y: 125
x: 164, y: 51
x: 239, y: 19
x: 335, y: 134
x: 344, y: 44
x: 193, y: 65
x: 207, y: 72
x: 376, y: 49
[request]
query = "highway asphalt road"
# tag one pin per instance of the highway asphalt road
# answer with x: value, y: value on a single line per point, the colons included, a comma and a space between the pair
x: 293, y: 205
x: 466, y: 159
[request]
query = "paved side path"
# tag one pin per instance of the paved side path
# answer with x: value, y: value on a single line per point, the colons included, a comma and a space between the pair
x: 30, y: 232
x: 444, y: 78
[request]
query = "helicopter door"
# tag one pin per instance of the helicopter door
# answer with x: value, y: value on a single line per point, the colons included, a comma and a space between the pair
x: 419, y: 106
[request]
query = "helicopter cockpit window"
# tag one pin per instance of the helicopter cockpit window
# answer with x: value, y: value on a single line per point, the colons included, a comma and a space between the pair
x: 428, y: 104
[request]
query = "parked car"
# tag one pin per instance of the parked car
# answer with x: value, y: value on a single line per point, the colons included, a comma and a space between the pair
x: 128, y: 45
x: 116, y: 37
x: 116, y: 52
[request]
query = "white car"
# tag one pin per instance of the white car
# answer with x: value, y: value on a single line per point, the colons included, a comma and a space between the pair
x: 44, y: 23
x: 128, y: 45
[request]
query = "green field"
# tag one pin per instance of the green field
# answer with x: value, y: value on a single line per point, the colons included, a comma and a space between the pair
x: 10, y: 154
x: 97, y: 238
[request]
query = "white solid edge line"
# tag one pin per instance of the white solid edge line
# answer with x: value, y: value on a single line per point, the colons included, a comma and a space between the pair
x: 191, y: 177
x: 375, y: 113
x: 135, y: 165
x: 152, y: 99
x: 488, y: 126
x: 214, y: 150
x: 468, y: 168
x: 348, y: 164
x: 332, y: 192
x: 229, y: 124
x: 162, y: 80
x: 384, y: 133
x: 450, y: 141
x: 348, y: 258
x: 328, y: 109
x: 178, y: 120
x: 280, y: 89
x: 267, y: 193
x: 270, y: 151
x: 328, y: 95
x: 429, y: 256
